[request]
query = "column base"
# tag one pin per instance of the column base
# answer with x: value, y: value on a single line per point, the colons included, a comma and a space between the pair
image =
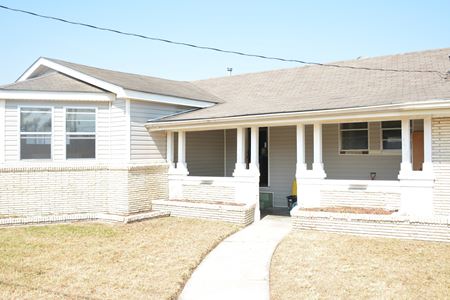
x: 416, y: 193
x: 309, y: 187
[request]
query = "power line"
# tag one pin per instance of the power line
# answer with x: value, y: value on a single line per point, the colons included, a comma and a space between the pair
x: 216, y: 49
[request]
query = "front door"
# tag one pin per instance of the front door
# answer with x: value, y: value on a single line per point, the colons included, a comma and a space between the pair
x: 417, y: 141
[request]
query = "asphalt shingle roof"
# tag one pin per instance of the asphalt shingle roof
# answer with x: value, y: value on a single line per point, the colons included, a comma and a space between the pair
x: 51, y: 82
x: 142, y: 83
x: 319, y: 88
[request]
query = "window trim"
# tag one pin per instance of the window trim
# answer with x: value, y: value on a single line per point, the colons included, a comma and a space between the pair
x: 389, y: 151
x: 340, y: 150
x: 19, y: 132
x: 65, y: 108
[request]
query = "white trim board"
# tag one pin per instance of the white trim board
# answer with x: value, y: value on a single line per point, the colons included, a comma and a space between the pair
x: 62, y: 96
x: 359, y: 114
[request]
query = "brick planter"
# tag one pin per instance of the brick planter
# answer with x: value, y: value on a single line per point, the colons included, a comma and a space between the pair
x: 239, y: 214
x: 392, y: 226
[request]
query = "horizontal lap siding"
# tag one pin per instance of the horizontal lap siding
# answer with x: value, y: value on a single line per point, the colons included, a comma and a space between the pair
x: 441, y: 162
x: 282, y: 160
x: 205, y: 153
x: 231, y: 151
x: 356, y: 167
x: 118, y: 130
x: 147, y: 146
x: 12, y: 120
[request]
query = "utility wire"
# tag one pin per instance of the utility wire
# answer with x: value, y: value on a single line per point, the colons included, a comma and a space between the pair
x: 217, y: 49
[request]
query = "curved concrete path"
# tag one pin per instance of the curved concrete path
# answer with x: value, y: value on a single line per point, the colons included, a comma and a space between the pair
x: 238, y: 268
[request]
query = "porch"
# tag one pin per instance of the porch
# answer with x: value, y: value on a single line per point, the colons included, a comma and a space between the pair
x: 376, y: 163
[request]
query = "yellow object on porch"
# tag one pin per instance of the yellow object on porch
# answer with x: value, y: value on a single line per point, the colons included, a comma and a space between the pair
x: 294, y: 188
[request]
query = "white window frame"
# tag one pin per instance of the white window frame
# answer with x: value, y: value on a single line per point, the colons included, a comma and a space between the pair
x: 19, y: 131
x: 389, y: 151
x: 353, y: 151
x: 65, y: 108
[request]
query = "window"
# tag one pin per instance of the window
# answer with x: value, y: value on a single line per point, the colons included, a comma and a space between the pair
x: 391, y: 135
x: 354, y: 136
x: 80, y: 133
x: 35, y: 133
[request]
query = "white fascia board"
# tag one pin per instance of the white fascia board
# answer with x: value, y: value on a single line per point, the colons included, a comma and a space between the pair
x: 135, y: 95
x: 64, y: 96
x: 72, y: 73
x: 386, y: 112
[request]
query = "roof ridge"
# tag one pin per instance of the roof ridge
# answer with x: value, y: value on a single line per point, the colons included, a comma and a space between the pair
x: 327, y: 63
x: 56, y: 60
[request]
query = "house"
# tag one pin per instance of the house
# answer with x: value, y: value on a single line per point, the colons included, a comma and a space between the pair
x: 78, y: 140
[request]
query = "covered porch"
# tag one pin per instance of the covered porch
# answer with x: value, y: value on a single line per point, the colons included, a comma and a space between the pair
x: 381, y: 163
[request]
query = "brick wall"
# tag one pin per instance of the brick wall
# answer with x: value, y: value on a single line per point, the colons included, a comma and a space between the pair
x: 242, y: 214
x: 441, y: 164
x: 403, y: 227
x: 203, y: 192
x: 360, y: 199
x: 34, y: 191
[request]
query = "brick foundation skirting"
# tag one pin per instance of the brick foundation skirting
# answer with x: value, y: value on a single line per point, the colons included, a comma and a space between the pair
x: 82, y: 217
x: 242, y: 215
x: 77, y: 189
x: 392, y: 226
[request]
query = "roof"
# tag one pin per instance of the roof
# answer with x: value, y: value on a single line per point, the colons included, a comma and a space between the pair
x: 51, y: 82
x: 313, y: 88
x: 142, y: 83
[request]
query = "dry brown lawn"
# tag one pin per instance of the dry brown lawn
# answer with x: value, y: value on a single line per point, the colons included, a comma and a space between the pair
x: 318, y: 265
x: 146, y: 260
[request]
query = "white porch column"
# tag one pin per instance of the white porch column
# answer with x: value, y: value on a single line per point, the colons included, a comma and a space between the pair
x: 254, y: 155
x: 301, y: 163
x: 416, y: 187
x: 318, y: 163
x: 181, y: 164
x: 427, y: 144
x: 240, y: 150
x: 406, y: 165
x: 169, y: 149
x: 309, y: 182
x: 247, y: 181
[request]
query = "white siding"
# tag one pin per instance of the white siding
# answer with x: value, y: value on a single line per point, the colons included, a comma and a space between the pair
x: 147, y: 146
x: 205, y: 153
x: 2, y: 130
x: 118, y: 131
x: 12, y: 119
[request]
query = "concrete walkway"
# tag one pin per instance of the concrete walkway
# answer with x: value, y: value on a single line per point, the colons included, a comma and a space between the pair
x: 238, y: 268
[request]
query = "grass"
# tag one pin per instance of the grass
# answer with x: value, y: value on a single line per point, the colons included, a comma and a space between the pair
x: 151, y: 259
x: 318, y: 265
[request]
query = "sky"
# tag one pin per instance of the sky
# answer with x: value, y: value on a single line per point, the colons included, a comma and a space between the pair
x: 321, y: 31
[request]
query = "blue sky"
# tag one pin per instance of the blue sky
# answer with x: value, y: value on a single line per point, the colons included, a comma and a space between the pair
x: 320, y: 31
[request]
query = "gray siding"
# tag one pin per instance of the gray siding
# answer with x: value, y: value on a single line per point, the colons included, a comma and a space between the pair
x: 205, y: 153
x: 282, y: 160
x: 230, y: 148
x: 147, y: 146
x: 348, y: 166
